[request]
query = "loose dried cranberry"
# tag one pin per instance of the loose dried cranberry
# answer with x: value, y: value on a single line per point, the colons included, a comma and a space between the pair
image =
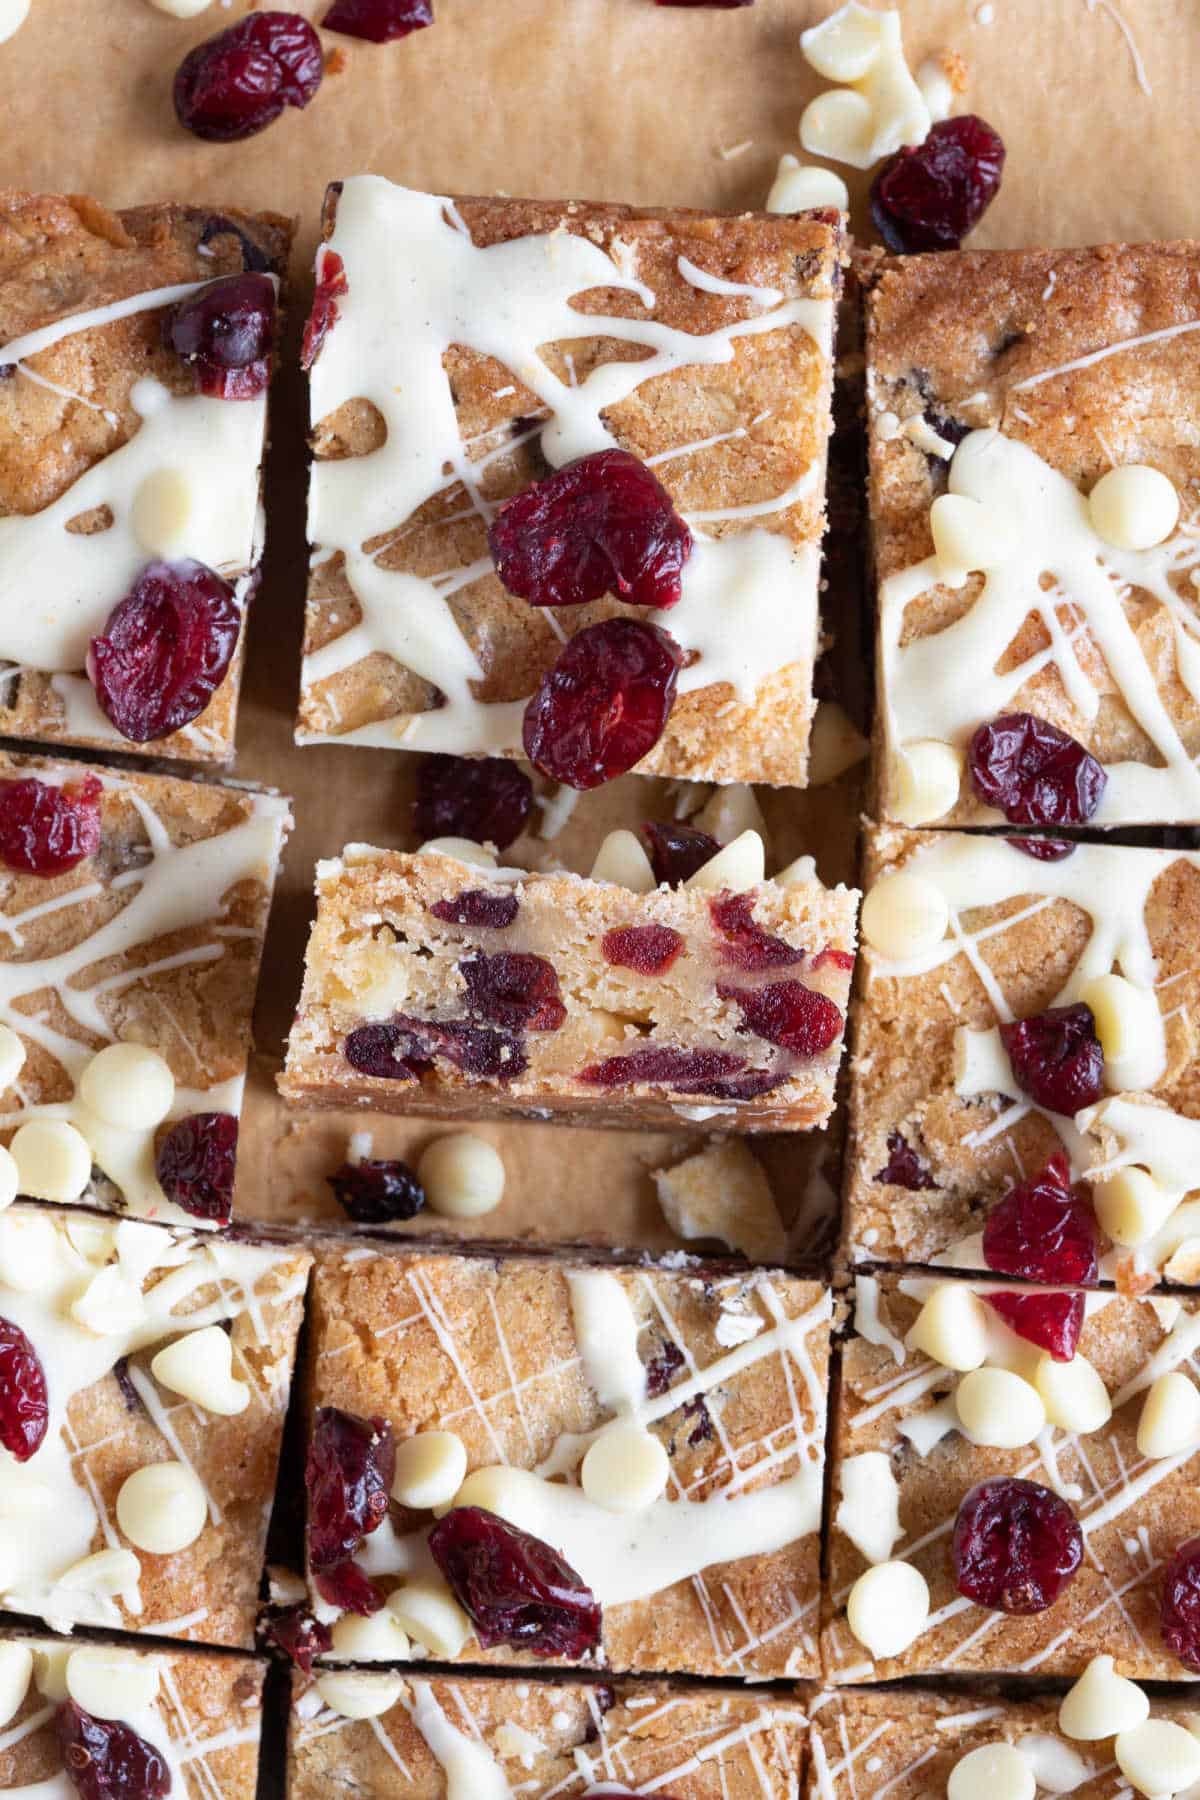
x: 603, y: 525
x: 1180, y: 1605
x: 930, y: 195
x: 688, y: 1071
x: 331, y: 288
x: 46, y: 830
x: 789, y: 1014
x: 378, y: 21
x: 745, y: 944
x: 1043, y: 1231
x: 300, y: 1635
x: 516, y: 1589
x: 904, y: 1167
x: 348, y: 1477
x: 165, y: 649
x: 1056, y: 1057
x: 605, y: 703
x: 477, y: 907
x: 1034, y: 773
x: 373, y: 1193
x: 662, y: 1369
x: 346, y: 1586
x: 1044, y: 849
x: 196, y: 1163
x: 514, y: 989
x: 24, y: 1408
x: 650, y: 949
x: 225, y: 332
x: 402, y: 1049
x: 482, y: 798
x: 677, y: 851
x: 377, y: 1050
x: 106, y: 1760
x: 1052, y: 1321
x: 1016, y: 1546
x: 238, y: 82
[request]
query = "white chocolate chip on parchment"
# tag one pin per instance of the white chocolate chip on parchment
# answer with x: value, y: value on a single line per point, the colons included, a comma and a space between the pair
x: 462, y: 1175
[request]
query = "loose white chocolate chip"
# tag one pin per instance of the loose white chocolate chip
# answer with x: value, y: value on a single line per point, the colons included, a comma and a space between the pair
x: 1134, y: 507
x: 1073, y: 1394
x: 952, y: 1327
x: 622, y: 859
x: 845, y: 46
x: 1131, y: 1206
x: 993, y: 1772
x: 378, y: 1638
x: 882, y: 109
x: 200, y: 1367
x: 937, y: 89
x: 966, y: 536
x: 1158, y: 1757
x: 729, y: 811
x: 12, y: 1057
x: 839, y: 125
x: 53, y: 1159
x: 1170, y: 1417
x: 835, y: 744
x: 981, y: 1064
x: 50, y: 1671
x: 10, y: 1180
x: 1101, y: 1704
x: 462, y: 1175
x: 998, y: 1409
x: 625, y: 1470
x: 162, y: 512
x: 430, y: 1469
x: 112, y: 1684
x: 740, y: 865
x: 162, y: 1508
x: 798, y: 873
x: 128, y: 1086
x: 27, y: 1251
x: 463, y: 850
x: 798, y: 187
x: 104, y: 1572
x: 887, y: 1608
x: 869, y: 1510
x: 16, y: 1669
x: 110, y: 1303
x: 926, y: 777
x: 904, y: 916
x: 431, y: 1616
x: 13, y: 14
x: 1130, y: 1028
x: 356, y: 1696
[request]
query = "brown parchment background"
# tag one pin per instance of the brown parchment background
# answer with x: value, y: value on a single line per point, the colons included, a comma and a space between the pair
x: 601, y: 99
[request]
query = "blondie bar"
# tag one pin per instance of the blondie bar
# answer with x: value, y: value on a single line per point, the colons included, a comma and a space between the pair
x: 135, y: 353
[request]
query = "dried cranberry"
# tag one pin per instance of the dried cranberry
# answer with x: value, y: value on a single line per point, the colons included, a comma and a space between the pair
x: 702, y: 1430
x: 300, y: 1635
x: 348, y: 1477
x: 225, y: 332
x: 1056, y: 1057
x: 928, y: 196
x: 378, y: 21
x: 1180, y: 1605
x: 787, y: 1013
x: 377, y: 1050
x: 688, y: 1071
x: 331, y: 288
x: 402, y: 1049
x: 516, y: 1589
x: 745, y: 944
x: 837, y: 959
x: 24, y: 1408
x: 476, y: 907
x: 1034, y: 773
x: 904, y: 1167
x: 602, y: 525
x: 165, y: 649
x: 1016, y: 1546
x: 677, y: 851
x: 238, y: 82
x: 346, y: 1586
x: 1051, y: 1321
x: 482, y: 798
x: 373, y: 1193
x: 196, y: 1162
x: 106, y: 1760
x: 514, y: 989
x: 605, y: 703
x: 662, y: 1369
x: 46, y: 830
x: 1043, y: 1231
x: 649, y: 949
x: 1044, y: 849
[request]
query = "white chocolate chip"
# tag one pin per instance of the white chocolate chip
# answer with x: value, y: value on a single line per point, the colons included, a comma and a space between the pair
x: 379, y: 1638
x: 869, y: 1510
x: 128, y: 1086
x: 904, y: 916
x: 724, y: 1192
x: 53, y: 1159
x: 839, y: 124
x: 162, y: 1507
x: 431, y: 1616
x: 104, y: 1572
x: 181, y: 9
x: 462, y: 1175
x: 883, y: 109
x: 845, y: 46
x: 12, y: 1057
x: 981, y: 1064
x: 625, y: 1469
x: 161, y: 512
x: 926, y: 777
x: 1073, y: 1394
x: 1158, y: 1757
x: 740, y: 865
x: 200, y: 1367
x: 1131, y: 1206
x: 463, y: 850
x: 357, y: 1696
x: 835, y: 744
x: 1101, y: 1704
x: 798, y: 187
x: 111, y: 1683
x: 998, y: 1409
x: 993, y: 1772
x: 50, y: 1671
x: 109, y: 1304
x: 430, y: 1469
x: 887, y: 1608
x: 1134, y: 507
x: 16, y: 1669
x: 937, y: 89
x: 1170, y: 1417
x: 966, y: 536
x: 952, y: 1328
x: 622, y: 859
x: 10, y: 1181
x: 496, y: 1488
x: 800, y: 873
x: 13, y: 14
x: 729, y: 811
x: 1130, y: 1028
x: 27, y: 1251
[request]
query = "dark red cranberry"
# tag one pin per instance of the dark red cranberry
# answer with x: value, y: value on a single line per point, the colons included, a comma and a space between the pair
x: 928, y: 196
x: 24, y: 1408
x: 1056, y: 1057
x: 515, y: 1589
x: 1043, y: 1230
x: 225, y: 332
x: 300, y: 1635
x: 476, y: 907
x: 687, y: 1071
x: 702, y: 1431
x: 787, y: 1013
x: 904, y: 1167
x: 165, y: 649
x: 348, y: 1477
x: 1051, y: 1321
x: 378, y: 21
x: 662, y: 1369
x: 331, y: 288
x: 649, y: 949
x: 46, y: 830
x: 374, y: 1193
x: 603, y: 525
x: 605, y: 703
x: 196, y: 1163
x: 106, y: 1760
x: 745, y: 944
x: 514, y: 989
x: 1034, y: 773
x: 238, y: 82
x: 379, y: 1050
x: 677, y: 851
x: 405, y: 1047
x: 837, y: 959
x: 1016, y: 1546
x: 1180, y: 1606
x: 482, y: 798
x: 1044, y: 849
x: 346, y: 1586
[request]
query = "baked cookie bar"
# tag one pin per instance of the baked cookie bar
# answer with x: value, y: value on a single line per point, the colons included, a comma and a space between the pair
x: 144, y: 1377
x: 438, y: 985
x: 1028, y: 1015
x: 1033, y: 451
x: 99, y: 1719
x: 426, y: 1740
x: 463, y: 352
x: 132, y: 913
x: 135, y: 354
x: 1014, y: 1482
x: 635, y: 1455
